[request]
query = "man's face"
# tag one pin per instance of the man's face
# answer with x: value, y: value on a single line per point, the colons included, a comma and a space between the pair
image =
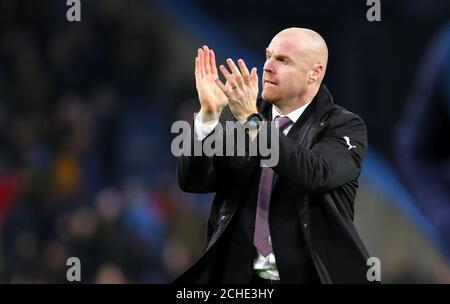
x: 285, y: 71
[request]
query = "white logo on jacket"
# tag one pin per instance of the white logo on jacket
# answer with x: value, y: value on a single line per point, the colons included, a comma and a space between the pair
x: 347, y: 140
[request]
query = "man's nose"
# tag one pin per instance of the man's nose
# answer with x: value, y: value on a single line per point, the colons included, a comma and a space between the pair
x: 268, y: 67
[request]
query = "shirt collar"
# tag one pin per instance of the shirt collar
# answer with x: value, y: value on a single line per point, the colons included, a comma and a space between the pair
x: 294, y: 115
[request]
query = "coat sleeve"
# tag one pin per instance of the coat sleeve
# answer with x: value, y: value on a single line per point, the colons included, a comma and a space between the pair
x: 333, y: 161
x: 202, y: 173
x: 197, y: 174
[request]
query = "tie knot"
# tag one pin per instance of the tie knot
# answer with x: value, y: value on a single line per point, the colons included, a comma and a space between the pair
x: 282, y: 122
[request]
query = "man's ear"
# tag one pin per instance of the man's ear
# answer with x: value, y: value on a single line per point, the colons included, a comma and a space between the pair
x: 316, y: 73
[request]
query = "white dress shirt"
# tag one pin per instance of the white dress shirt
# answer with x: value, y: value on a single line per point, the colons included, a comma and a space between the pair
x: 265, y: 267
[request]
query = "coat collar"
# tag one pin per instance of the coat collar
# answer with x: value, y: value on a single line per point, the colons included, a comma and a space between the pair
x: 321, y: 104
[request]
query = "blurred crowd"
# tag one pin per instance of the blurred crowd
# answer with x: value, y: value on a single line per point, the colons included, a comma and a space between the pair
x: 85, y: 163
x: 86, y: 108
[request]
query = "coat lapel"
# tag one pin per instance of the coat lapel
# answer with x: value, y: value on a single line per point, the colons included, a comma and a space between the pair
x: 304, y: 131
x: 311, y: 122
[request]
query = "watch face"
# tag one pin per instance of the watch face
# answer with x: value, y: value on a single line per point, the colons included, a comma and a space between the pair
x: 257, y: 117
x: 253, y: 123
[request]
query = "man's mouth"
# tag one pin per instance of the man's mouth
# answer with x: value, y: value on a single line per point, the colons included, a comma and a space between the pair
x: 269, y: 82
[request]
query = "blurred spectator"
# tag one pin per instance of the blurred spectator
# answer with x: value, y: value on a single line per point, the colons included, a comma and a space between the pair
x: 423, y: 148
x: 85, y: 170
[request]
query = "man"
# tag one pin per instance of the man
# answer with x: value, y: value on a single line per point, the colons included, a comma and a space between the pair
x: 292, y: 223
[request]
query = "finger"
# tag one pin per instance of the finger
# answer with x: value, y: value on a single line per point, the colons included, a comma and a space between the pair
x: 254, y: 78
x: 201, y: 58
x: 223, y: 88
x: 228, y: 76
x: 197, y: 71
x: 232, y: 87
x: 207, y: 62
x: 236, y: 73
x: 196, y: 66
x: 244, y: 71
x: 213, y: 62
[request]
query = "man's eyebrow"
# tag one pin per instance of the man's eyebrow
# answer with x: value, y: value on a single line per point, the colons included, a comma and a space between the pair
x: 283, y: 56
x: 280, y: 56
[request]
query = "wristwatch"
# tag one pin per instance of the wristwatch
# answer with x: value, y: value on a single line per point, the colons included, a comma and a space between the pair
x: 254, y: 121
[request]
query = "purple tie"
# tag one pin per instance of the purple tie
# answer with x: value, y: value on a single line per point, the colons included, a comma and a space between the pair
x: 261, y: 238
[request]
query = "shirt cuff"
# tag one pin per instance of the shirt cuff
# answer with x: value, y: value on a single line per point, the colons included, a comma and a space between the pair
x: 203, y: 129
